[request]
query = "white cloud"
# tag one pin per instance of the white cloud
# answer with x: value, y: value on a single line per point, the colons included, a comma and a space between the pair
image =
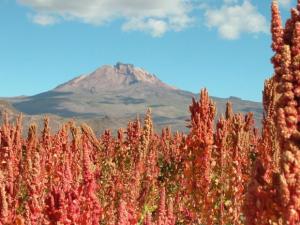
x: 153, y: 16
x: 233, y: 20
x: 153, y: 26
x: 285, y: 3
x: 43, y: 19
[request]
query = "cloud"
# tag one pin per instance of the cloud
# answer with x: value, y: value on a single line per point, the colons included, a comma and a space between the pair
x: 153, y: 26
x: 152, y: 16
x: 233, y: 20
x: 285, y: 3
x: 43, y: 19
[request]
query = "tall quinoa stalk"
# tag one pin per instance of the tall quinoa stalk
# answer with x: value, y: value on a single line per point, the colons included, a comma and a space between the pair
x: 274, y: 193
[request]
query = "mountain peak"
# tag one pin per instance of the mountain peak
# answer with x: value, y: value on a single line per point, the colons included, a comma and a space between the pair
x: 120, y: 66
x: 119, y: 76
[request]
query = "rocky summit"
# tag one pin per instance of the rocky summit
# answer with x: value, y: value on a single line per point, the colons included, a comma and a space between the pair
x: 120, y: 76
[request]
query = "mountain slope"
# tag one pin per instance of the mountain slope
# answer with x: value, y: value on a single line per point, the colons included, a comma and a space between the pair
x: 118, y: 77
x: 119, y: 93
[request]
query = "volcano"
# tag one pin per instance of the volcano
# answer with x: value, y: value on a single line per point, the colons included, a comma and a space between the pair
x: 112, y: 95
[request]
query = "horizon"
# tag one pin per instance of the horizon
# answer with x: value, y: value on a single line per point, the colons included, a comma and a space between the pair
x: 50, y: 47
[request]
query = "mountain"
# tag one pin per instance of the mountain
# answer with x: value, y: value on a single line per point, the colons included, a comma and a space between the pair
x: 13, y: 113
x: 118, y: 77
x: 112, y: 95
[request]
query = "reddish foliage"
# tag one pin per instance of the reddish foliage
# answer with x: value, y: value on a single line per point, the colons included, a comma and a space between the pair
x: 221, y: 172
x: 273, y: 195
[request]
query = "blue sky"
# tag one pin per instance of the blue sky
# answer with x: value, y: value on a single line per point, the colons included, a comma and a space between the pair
x: 223, y: 45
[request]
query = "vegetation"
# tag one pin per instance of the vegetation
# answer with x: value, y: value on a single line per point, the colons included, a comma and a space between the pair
x: 221, y: 172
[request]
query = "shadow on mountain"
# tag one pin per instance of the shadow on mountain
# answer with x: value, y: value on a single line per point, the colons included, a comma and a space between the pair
x: 123, y: 100
x: 51, y: 94
x: 48, y: 103
x: 131, y: 101
x: 254, y: 110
